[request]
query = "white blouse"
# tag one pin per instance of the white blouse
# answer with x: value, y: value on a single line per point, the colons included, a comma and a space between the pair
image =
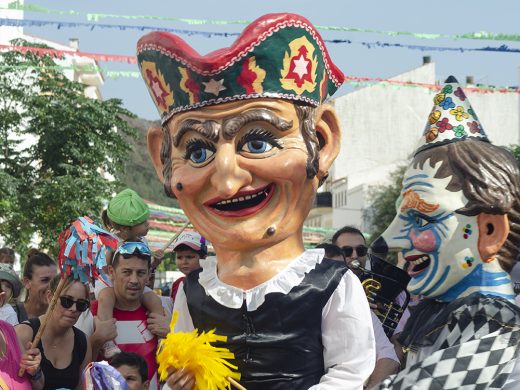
x: 347, y: 335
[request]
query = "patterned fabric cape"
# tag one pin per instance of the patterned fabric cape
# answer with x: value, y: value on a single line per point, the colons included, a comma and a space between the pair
x: 475, y: 341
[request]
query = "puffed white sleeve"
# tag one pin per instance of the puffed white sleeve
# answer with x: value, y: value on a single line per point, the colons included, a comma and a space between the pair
x: 384, y: 348
x: 349, y: 351
x: 184, y: 321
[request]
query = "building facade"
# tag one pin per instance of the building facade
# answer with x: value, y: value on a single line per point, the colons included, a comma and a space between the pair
x: 381, y: 125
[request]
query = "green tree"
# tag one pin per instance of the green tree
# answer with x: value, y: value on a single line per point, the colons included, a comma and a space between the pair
x: 515, y: 150
x: 57, y: 149
x: 139, y: 173
x: 382, y: 198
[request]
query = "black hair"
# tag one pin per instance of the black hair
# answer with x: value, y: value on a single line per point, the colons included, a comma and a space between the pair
x: 131, y: 359
x: 115, y: 259
x: 184, y: 247
x: 347, y: 230
x: 331, y: 250
x: 36, y: 259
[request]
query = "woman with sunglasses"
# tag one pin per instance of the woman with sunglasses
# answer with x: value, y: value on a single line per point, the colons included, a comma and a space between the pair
x: 64, y: 348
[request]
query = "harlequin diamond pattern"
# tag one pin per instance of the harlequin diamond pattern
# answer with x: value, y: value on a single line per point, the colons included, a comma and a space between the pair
x: 474, y: 365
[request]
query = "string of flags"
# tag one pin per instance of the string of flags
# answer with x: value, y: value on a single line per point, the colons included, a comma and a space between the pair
x: 355, y: 81
x: 91, y: 16
x: 62, y: 24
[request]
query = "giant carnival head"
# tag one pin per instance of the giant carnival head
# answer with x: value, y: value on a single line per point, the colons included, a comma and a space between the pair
x: 458, y: 216
x: 245, y: 138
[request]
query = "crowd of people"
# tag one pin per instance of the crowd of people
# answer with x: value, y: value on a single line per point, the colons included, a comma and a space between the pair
x: 246, y: 140
x: 77, y: 335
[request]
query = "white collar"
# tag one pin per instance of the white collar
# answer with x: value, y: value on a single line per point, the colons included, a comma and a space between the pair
x: 283, y: 282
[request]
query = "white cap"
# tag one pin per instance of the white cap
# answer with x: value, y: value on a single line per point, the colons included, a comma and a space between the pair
x: 192, y: 239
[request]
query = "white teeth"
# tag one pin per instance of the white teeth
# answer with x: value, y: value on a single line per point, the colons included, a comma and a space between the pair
x: 420, y: 260
x: 240, y: 198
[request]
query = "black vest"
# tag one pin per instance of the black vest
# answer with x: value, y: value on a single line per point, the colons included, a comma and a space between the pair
x: 278, y: 345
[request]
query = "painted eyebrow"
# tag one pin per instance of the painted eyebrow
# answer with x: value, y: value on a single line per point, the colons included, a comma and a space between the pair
x: 208, y: 129
x: 418, y: 176
x: 233, y: 125
x: 418, y: 184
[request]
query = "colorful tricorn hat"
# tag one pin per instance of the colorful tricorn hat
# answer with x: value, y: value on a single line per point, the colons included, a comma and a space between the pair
x: 276, y: 56
x: 452, y: 119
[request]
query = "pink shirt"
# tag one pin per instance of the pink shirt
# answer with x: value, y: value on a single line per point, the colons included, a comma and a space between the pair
x: 10, y: 363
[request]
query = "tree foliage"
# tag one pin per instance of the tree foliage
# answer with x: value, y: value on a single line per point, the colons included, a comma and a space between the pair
x: 382, y: 198
x: 515, y: 150
x: 58, y: 149
x: 139, y: 172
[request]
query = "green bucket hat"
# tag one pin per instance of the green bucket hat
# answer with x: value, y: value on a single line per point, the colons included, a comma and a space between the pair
x: 128, y: 209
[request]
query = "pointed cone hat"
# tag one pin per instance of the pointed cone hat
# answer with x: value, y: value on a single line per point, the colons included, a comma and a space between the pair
x: 452, y: 119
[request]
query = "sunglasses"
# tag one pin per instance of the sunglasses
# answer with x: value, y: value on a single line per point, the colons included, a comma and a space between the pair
x: 133, y: 248
x: 361, y: 250
x: 81, y: 304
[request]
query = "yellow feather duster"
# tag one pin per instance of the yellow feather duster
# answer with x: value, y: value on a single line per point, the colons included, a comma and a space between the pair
x: 194, y: 352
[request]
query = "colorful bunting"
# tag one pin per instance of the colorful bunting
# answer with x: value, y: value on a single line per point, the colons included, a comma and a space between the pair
x: 355, y: 81
x: 209, y: 34
x: 481, y: 35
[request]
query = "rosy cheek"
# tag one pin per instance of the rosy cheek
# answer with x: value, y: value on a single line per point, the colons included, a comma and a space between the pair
x: 425, y: 241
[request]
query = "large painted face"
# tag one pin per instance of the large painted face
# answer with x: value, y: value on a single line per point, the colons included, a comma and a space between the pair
x: 244, y: 174
x: 440, y: 245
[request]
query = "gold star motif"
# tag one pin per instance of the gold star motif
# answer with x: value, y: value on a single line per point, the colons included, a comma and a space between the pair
x: 214, y: 86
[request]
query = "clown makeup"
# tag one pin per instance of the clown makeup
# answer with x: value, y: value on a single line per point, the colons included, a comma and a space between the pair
x: 429, y: 232
x: 243, y: 169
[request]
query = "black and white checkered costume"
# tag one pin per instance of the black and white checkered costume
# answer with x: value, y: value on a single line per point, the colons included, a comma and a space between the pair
x: 472, y: 344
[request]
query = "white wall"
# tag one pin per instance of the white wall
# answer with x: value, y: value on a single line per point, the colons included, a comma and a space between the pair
x: 382, y: 125
x: 8, y: 33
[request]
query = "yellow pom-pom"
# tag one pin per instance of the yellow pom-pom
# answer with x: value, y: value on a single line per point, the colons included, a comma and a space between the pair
x: 194, y: 352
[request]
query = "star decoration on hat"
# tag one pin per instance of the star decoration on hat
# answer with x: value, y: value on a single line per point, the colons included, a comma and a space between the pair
x: 158, y: 90
x: 214, y: 86
x: 300, y: 69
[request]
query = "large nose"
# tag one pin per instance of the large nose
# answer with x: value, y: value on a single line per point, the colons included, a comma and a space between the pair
x: 229, y: 177
x: 134, y: 278
x: 395, y: 238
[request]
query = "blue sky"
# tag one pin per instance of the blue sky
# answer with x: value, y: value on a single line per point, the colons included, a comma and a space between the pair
x: 446, y: 17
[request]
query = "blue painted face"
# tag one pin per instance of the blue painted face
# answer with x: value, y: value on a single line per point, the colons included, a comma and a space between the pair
x: 440, y: 245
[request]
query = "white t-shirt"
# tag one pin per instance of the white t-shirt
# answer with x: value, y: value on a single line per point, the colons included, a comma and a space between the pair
x: 8, y: 314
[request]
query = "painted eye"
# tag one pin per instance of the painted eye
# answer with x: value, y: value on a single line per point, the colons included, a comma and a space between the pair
x: 199, y: 152
x: 421, y: 222
x: 200, y: 155
x: 257, y: 146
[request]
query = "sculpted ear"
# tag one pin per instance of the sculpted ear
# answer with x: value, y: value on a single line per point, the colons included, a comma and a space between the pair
x: 155, y: 140
x: 329, y: 135
x: 493, y: 231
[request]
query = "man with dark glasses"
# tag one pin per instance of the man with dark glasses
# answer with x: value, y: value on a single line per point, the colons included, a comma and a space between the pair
x: 353, y: 245
x: 129, y: 273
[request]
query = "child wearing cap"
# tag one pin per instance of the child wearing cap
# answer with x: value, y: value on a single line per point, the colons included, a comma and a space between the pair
x: 126, y: 216
x: 11, y: 286
x: 189, y: 248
